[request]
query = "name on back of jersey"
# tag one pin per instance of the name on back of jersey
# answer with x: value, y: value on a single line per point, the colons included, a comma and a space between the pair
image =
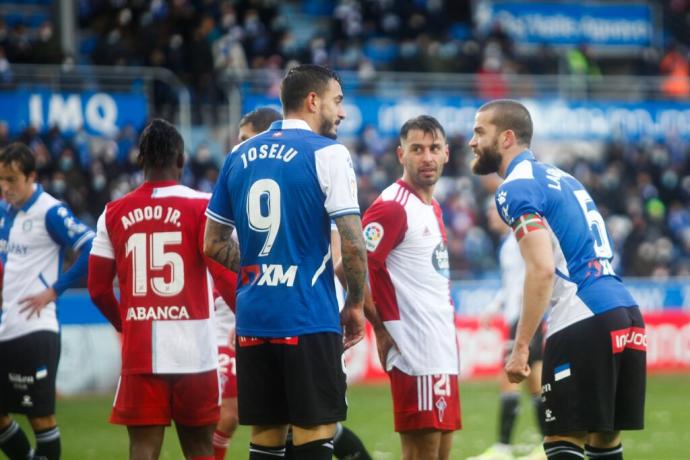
x: 268, y: 151
x: 136, y: 215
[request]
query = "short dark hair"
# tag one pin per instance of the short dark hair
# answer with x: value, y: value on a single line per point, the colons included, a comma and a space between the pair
x: 510, y: 114
x: 302, y: 80
x: 424, y: 123
x: 159, y: 145
x: 261, y: 118
x: 21, y: 154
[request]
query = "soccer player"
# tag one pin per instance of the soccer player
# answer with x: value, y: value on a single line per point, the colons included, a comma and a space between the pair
x: 35, y: 229
x: 279, y: 190
x: 412, y: 313
x: 346, y: 444
x: 509, y: 300
x: 594, y: 370
x: 152, y: 239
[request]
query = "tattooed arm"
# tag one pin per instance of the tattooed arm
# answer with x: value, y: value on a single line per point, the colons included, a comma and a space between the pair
x: 220, y: 246
x: 354, y: 261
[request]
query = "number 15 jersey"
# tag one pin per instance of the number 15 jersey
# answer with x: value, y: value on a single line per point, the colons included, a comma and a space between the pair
x: 155, y: 235
x: 280, y: 189
x: 586, y: 284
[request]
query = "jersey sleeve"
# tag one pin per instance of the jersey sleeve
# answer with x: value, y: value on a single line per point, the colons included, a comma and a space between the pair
x: 102, y: 245
x: 337, y: 179
x: 516, y: 198
x: 220, y: 207
x: 384, y: 223
x: 65, y: 229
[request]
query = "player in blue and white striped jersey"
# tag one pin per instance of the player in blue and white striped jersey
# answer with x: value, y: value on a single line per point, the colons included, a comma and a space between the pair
x: 35, y: 230
x: 594, y: 372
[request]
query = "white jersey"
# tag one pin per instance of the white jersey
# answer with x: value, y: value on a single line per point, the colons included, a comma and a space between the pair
x: 409, y: 273
x: 31, y: 247
x: 225, y: 322
x: 512, y: 278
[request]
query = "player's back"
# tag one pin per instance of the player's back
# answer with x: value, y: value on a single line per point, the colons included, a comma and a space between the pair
x: 165, y: 303
x: 277, y: 185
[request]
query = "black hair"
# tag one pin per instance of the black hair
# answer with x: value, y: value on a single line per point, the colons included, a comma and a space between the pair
x: 302, y: 80
x: 511, y: 115
x: 159, y: 145
x: 21, y: 154
x: 261, y: 118
x: 424, y: 123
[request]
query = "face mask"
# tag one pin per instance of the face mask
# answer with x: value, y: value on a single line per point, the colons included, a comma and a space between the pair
x: 66, y: 163
x: 59, y: 185
x: 98, y: 183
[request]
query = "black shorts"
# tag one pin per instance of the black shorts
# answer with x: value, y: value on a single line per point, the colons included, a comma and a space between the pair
x: 302, y: 384
x: 28, y: 368
x: 594, y: 374
x: 536, y: 346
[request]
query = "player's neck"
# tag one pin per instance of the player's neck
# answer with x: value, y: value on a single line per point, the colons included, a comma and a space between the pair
x: 165, y: 175
x: 425, y: 194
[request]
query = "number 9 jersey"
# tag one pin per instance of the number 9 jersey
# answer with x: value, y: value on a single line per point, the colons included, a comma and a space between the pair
x: 280, y: 189
x: 586, y: 284
x: 155, y: 236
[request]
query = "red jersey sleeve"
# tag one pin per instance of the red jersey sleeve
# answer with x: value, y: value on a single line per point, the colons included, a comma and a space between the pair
x: 385, y: 224
x: 224, y: 280
x: 101, y: 274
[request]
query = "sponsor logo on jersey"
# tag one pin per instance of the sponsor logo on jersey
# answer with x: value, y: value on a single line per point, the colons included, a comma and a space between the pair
x: 634, y: 338
x: 549, y: 416
x: 13, y: 377
x: 439, y: 259
x: 269, y: 275
x: 156, y: 313
x: 373, y: 234
x: 14, y: 248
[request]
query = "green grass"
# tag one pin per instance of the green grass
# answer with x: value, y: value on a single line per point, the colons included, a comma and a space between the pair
x: 87, y: 435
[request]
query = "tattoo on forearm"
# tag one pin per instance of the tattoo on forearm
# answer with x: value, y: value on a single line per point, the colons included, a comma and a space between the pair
x: 220, y: 246
x: 353, y: 255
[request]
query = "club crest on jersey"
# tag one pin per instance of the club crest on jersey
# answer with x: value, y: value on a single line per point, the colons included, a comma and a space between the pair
x: 501, y: 197
x: 373, y: 234
x: 439, y: 259
x: 27, y: 225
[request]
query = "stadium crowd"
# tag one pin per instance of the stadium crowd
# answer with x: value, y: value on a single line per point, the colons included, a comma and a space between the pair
x: 643, y: 188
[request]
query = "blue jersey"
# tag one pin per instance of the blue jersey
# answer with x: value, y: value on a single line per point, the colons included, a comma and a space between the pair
x: 280, y: 189
x: 586, y: 283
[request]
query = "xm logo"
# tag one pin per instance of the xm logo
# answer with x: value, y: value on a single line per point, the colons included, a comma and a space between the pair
x: 269, y: 275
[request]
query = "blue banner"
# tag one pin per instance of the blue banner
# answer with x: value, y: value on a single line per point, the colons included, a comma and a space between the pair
x: 555, y: 23
x: 99, y: 113
x: 553, y: 119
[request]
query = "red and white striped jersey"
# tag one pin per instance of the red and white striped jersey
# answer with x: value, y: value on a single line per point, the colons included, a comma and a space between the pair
x: 409, y: 275
x: 155, y: 236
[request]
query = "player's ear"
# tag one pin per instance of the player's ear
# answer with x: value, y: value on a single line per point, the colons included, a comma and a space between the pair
x: 312, y: 102
x: 400, y: 152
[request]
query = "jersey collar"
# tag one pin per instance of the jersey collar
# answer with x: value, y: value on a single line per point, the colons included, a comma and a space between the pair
x: 291, y: 123
x: 159, y: 183
x: 525, y: 155
x: 38, y: 189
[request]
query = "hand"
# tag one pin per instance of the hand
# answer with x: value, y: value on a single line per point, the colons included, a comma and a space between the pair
x: 352, y: 319
x: 517, y: 367
x: 37, y: 302
x: 384, y: 342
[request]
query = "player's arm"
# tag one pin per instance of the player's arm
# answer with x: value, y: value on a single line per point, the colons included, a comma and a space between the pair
x: 68, y: 232
x: 537, y: 251
x: 354, y: 260
x: 224, y: 280
x: 219, y: 245
x: 102, y: 272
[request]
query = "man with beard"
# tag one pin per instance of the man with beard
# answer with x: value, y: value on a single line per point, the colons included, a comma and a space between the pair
x: 280, y: 190
x: 411, y: 311
x: 594, y: 369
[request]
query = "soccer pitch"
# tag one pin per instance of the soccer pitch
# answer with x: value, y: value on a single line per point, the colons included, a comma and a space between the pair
x: 87, y: 435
